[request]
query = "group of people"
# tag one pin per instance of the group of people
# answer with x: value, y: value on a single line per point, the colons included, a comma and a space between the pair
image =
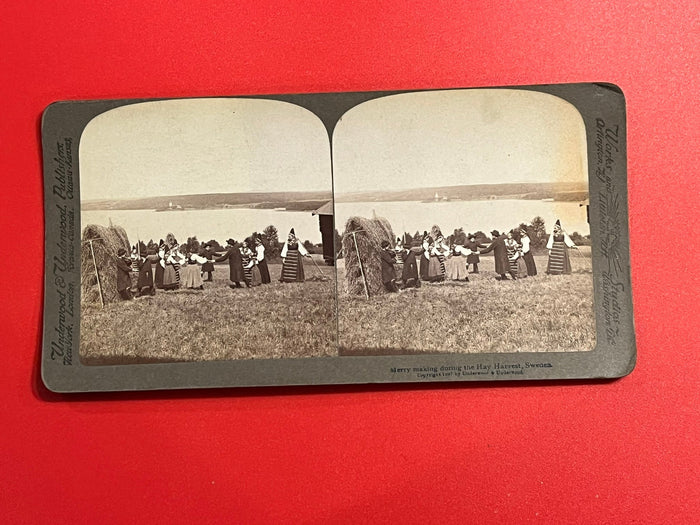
x: 250, y: 268
x: 172, y: 266
x: 441, y: 260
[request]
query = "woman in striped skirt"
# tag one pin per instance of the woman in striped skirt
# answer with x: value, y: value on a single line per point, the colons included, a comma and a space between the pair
x: 171, y: 273
x: 292, y: 266
x: 513, y: 251
x: 437, y: 260
x: 250, y: 268
x: 558, y: 246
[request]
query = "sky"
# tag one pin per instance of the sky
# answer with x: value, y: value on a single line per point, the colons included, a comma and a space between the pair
x: 470, y: 136
x: 191, y: 146
x: 410, y: 140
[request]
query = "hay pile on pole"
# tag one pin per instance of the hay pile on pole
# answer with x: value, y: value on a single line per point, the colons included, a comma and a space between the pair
x: 365, y: 236
x: 97, y: 258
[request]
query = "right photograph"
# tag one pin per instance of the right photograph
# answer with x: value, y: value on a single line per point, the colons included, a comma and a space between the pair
x: 461, y: 222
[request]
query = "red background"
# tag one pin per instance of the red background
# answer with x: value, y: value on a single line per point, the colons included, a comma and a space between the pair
x: 616, y: 451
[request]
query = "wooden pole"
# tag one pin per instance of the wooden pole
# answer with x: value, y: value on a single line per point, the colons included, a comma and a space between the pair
x: 359, y: 261
x: 97, y: 274
x: 323, y: 277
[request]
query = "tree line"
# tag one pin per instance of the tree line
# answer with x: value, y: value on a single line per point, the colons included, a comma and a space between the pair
x: 269, y: 236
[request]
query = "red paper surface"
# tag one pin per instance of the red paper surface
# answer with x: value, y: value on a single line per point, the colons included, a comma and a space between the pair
x: 587, y: 452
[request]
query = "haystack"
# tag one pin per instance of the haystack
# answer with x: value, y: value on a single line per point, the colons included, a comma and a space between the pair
x: 105, y: 244
x: 370, y: 234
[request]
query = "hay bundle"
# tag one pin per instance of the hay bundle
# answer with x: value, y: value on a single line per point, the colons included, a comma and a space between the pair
x: 105, y: 244
x: 370, y: 234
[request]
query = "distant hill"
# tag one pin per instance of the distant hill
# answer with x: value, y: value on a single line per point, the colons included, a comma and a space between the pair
x: 308, y: 201
x: 299, y: 200
x: 559, y: 191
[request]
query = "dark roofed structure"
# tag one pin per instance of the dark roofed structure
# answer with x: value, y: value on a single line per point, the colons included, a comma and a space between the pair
x: 325, y: 224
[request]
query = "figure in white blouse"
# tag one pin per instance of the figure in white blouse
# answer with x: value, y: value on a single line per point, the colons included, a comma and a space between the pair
x: 292, y: 265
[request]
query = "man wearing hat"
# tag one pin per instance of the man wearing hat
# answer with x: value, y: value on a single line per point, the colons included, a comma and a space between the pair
x: 235, y: 263
x: 500, y: 255
x: 123, y: 274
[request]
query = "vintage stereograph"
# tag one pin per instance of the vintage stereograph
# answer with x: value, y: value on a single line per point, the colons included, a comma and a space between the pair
x: 476, y: 234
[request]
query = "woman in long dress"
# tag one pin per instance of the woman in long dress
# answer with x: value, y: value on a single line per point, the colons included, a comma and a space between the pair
x: 144, y: 285
x: 250, y: 269
x: 456, y: 264
x: 526, y: 251
x: 191, y: 273
x: 171, y: 273
x: 261, y: 261
x: 292, y: 266
x: 425, y: 257
x: 409, y: 272
x: 558, y: 245
x: 437, y: 260
x: 160, y: 266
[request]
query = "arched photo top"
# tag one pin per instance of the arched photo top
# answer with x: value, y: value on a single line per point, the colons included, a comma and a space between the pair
x: 459, y: 137
x: 203, y: 146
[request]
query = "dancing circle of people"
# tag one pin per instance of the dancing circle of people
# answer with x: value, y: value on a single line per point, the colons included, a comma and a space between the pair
x: 442, y: 261
x: 173, y: 266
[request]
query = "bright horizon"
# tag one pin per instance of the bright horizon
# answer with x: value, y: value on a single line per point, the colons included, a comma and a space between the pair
x: 318, y: 191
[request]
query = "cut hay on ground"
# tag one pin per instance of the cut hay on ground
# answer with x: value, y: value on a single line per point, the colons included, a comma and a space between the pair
x: 105, y: 244
x: 370, y: 234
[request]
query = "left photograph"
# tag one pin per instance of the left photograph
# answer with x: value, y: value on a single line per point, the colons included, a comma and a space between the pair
x: 206, y: 233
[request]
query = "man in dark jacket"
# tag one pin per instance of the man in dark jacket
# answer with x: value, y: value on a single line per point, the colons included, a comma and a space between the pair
x: 409, y: 274
x: 235, y: 263
x: 500, y: 255
x: 388, y: 258
x: 473, y: 258
x: 144, y: 285
x: 207, y: 267
x: 123, y: 275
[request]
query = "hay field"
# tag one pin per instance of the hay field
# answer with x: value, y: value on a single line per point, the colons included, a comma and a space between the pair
x: 218, y: 323
x: 538, y: 314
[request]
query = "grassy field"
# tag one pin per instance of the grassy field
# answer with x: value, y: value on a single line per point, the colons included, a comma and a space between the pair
x: 218, y: 323
x: 538, y: 314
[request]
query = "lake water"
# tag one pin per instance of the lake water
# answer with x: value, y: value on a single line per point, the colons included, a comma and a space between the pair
x: 219, y: 224
x: 473, y: 216
x: 407, y: 216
